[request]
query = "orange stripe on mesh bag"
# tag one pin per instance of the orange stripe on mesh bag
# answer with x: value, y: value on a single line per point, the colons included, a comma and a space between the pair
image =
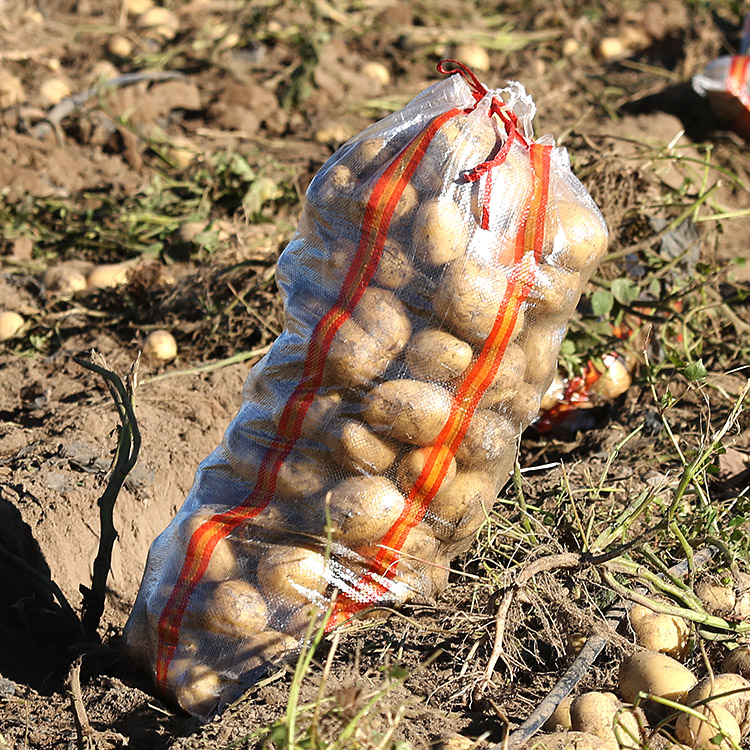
x: 528, y: 249
x: 737, y: 85
x: 377, y: 218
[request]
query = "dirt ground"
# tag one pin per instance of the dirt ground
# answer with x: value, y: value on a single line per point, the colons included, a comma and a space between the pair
x: 194, y: 173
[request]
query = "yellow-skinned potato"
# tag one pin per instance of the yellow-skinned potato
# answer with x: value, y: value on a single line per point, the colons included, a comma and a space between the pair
x: 355, y: 358
x: 406, y: 203
x: 560, y: 717
x: 255, y: 652
x: 196, y: 686
x: 302, y: 474
x: 361, y: 450
x: 738, y: 661
x: 537, y: 343
x: 382, y: 316
x: 66, y: 277
x: 461, y: 506
x: 440, y: 231
x: 555, y: 291
x: 730, y: 691
x: 362, y: 509
x: 585, y: 238
x: 321, y: 415
x: 508, y: 378
x: 412, y: 465
x: 470, y: 297
x: 108, y: 275
x: 653, y: 673
x: 10, y: 324
x: 655, y: 631
x: 235, y: 608
x: 598, y: 714
x: 488, y: 437
x: 718, y: 730
x: 394, y: 270
x: 570, y: 741
x: 222, y: 564
x: 292, y: 575
x: 437, y: 356
x: 408, y: 410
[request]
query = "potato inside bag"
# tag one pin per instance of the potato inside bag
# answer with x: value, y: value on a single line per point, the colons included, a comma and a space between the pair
x: 426, y: 291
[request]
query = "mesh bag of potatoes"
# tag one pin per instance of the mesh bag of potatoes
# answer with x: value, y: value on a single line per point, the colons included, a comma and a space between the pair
x: 426, y: 292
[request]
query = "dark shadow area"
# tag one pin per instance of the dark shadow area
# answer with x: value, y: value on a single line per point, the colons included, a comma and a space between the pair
x: 681, y: 101
x: 38, y: 636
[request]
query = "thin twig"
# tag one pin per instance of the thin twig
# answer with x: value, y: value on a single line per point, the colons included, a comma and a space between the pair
x: 126, y: 455
x: 84, y: 730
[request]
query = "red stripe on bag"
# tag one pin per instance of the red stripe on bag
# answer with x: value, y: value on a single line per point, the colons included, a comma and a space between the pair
x: 529, y: 245
x: 737, y: 85
x: 376, y: 222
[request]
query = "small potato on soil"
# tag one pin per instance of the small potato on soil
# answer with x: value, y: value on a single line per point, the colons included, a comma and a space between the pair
x: 437, y: 356
x: 560, y: 717
x: 738, y: 661
x: 108, y: 275
x: 659, y: 632
x: 10, y: 324
x: 408, y: 410
x: 66, y: 277
x: 570, y: 741
x: 292, y: 576
x: 583, y: 240
x: 717, y: 731
x: 730, y: 691
x: 598, y: 714
x: 658, y: 674
x: 362, y: 509
x: 362, y: 451
x: 726, y: 599
x: 160, y: 346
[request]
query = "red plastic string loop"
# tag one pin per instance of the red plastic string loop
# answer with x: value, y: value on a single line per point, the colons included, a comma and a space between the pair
x: 476, y: 86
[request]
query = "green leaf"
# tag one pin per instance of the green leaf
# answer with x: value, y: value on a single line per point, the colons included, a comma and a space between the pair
x: 602, y: 303
x: 695, y: 370
x: 625, y: 291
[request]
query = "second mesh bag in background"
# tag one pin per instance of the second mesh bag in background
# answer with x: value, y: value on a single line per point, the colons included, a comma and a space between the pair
x: 426, y: 293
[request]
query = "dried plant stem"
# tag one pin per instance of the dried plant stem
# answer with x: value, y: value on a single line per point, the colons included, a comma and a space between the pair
x: 126, y: 455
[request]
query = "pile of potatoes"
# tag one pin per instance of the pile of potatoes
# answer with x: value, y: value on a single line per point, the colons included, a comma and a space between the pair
x: 717, y: 714
x: 370, y: 499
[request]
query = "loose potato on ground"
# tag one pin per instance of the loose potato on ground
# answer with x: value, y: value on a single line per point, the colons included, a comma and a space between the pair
x: 580, y: 239
x: 717, y: 730
x: 412, y: 465
x: 653, y: 673
x: 66, y: 277
x: 654, y: 631
x: 570, y: 741
x: 437, y: 356
x: 10, y: 324
x: 292, y: 576
x: 408, y: 410
x: 738, y: 661
x: 730, y: 691
x: 488, y: 437
x: 560, y: 717
x: 362, y: 509
x: 108, y: 275
x: 598, y: 714
x: 361, y: 450
x: 440, y: 231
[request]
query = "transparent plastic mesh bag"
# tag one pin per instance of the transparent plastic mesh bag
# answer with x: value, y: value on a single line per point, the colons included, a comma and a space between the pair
x: 426, y: 291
